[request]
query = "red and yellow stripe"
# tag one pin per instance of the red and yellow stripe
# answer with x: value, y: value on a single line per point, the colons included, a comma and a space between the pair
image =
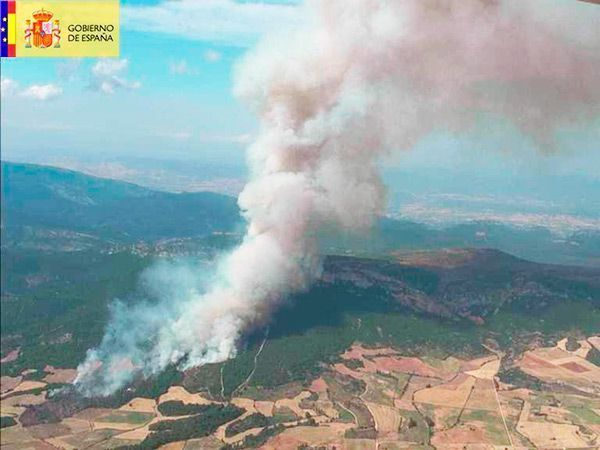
x: 8, y: 20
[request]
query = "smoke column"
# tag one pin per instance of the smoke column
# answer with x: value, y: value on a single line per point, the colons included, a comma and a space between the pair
x: 359, y: 79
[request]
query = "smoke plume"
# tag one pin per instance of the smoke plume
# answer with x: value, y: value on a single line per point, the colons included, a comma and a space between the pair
x: 359, y: 79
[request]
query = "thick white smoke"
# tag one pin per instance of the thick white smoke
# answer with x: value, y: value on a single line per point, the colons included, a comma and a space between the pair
x: 361, y: 78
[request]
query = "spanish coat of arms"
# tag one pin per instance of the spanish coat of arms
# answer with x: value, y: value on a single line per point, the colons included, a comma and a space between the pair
x: 43, y: 32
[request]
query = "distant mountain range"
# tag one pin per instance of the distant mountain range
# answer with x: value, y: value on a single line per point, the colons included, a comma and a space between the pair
x: 51, y: 199
x: 56, y: 209
x: 535, y: 244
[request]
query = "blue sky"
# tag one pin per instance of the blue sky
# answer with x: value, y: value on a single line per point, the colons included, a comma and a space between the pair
x: 169, y: 96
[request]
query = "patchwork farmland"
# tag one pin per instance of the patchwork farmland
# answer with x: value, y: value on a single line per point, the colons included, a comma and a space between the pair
x: 372, y: 398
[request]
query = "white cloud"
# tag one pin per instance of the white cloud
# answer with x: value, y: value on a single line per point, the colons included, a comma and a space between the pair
x: 108, y: 75
x: 212, y: 56
x: 8, y: 86
x: 242, y: 138
x: 176, y: 135
x: 42, y: 91
x: 181, y: 67
x: 226, y: 21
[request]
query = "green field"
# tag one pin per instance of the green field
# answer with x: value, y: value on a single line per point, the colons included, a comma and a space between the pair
x: 132, y: 417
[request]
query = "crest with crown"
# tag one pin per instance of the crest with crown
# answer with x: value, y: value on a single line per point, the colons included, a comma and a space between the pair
x: 42, y: 33
x: 42, y: 15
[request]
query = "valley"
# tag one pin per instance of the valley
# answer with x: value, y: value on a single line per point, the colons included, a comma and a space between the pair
x: 415, y: 345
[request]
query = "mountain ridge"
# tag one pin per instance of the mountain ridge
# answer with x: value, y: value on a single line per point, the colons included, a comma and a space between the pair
x: 53, y: 198
x: 64, y: 210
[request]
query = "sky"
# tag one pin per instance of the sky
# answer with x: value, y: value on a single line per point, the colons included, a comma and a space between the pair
x: 169, y: 97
